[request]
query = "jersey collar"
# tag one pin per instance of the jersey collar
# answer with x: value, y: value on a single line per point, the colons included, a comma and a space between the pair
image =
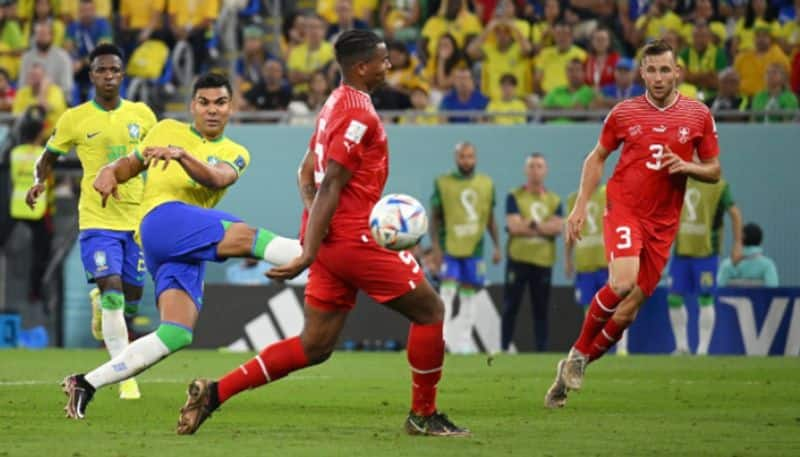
x: 98, y: 106
x: 200, y: 135
x: 677, y: 97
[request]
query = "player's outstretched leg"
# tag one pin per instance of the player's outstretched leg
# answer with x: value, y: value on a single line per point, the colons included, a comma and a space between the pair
x: 79, y: 393
x: 556, y: 396
x: 97, y: 314
x: 313, y: 346
x: 426, y: 357
x: 241, y: 240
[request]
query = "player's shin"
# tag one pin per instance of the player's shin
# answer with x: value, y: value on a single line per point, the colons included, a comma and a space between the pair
x: 679, y: 318
x: 600, y: 310
x: 275, y: 249
x: 707, y: 317
x: 115, y: 332
x: 426, y: 357
x: 141, y: 354
x: 273, y: 363
x: 608, y: 336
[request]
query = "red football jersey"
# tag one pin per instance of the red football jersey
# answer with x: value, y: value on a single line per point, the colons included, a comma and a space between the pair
x: 640, y: 181
x: 349, y: 131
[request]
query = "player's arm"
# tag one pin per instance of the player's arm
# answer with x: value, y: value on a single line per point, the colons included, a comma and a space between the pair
x: 591, y: 174
x: 569, y: 249
x: 553, y: 225
x: 305, y: 179
x: 736, y: 226
x: 707, y: 170
x: 437, y: 222
x: 218, y: 175
x: 41, y: 173
x: 492, y: 226
x: 117, y: 172
x: 516, y: 224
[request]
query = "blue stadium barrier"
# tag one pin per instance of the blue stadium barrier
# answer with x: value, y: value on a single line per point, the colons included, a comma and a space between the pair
x: 749, y: 321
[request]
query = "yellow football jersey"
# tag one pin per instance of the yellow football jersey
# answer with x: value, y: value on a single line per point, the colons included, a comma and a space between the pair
x: 99, y: 138
x: 174, y: 184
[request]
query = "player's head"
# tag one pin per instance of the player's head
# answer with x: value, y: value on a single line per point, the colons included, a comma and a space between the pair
x: 536, y: 168
x: 659, y: 70
x: 211, y: 104
x: 106, y: 70
x: 751, y: 235
x: 466, y: 157
x: 363, y: 58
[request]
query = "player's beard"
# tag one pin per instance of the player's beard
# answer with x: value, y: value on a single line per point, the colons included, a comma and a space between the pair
x: 466, y: 171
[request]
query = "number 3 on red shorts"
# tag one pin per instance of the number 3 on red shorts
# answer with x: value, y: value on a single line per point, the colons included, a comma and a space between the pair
x: 624, y: 232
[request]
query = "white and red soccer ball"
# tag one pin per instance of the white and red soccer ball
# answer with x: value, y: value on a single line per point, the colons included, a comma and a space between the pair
x: 398, y: 221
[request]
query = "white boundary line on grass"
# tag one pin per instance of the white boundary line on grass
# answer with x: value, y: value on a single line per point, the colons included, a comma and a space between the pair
x: 42, y: 382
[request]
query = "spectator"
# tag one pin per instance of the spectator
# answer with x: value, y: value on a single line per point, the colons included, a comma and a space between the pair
x: 790, y: 31
x: 796, y: 73
x: 463, y: 97
x: 424, y: 112
x: 272, y: 92
x: 551, y: 63
x: 311, y: 101
x: 39, y: 91
x: 693, y: 268
x: 402, y: 75
x: 454, y: 19
x: 508, y: 11
x: 752, y: 64
x: 509, y: 102
x: 686, y: 89
x: 249, y: 66
x: 192, y: 21
x: 507, y: 54
x: 39, y: 218
x: 777, y: 96
x: 703, y: 60
x: 82, y: 36
x: 758, y: 15
x: 462, y: 210
x: 623, y: 86
x: 728, y: 98
x: 12, y: 42
x: 439, y: 72
x: 139, y: 21
x: 703, y: 12
x: 399, y: 19
x: 575, y: 95
x: 68, y: 9
x: 313, y: 55
x: 7, y: 92
x: 755, y: 269
x: 542, y: 32
x: 42, y: 12
x: 602, y: 60
x: 293, y: 32
x: 658, y: 19
x: 533, y: 220
x: 363, y: 10
x: 788, y: 11
x: 248, y: 272
x: 54, y: 59
x: 345, y: 20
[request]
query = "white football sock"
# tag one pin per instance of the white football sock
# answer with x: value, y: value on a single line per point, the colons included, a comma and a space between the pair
x: 466, y: 320
x: 115, y: 332
x: 679, y: 318
x: 140, y: 354
x: 622, y: 344
x: 707, y: 316
x: 448, y: 293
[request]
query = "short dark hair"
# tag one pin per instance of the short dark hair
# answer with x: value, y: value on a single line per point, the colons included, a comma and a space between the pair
x: 355, y: 46
x: 105, y: 49
x: 536, y: 155
x: 508, y: 78
x: 32, y: 124
x: 752, y: 235
x: 656, y: 48
x: 210, y: 80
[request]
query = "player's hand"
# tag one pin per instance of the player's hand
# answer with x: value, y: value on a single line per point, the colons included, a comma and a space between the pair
x: 575, y: 223
x: 436, y: 258
x: 496, y: 255
x: 569, y: 268
x: 291, y: 269
x: 106, y: 184
x: 736, y: 253
x: 152, y: 155
x: 33, y: 194
x: 674, y: 164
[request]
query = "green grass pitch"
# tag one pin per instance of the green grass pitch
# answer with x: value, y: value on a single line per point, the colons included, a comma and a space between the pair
x: 354, y: 405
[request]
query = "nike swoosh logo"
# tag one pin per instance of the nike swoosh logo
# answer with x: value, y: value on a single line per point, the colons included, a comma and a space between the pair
x: 92, y: 135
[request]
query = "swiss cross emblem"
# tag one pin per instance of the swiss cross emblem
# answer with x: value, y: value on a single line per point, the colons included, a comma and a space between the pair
x: 683, y: 134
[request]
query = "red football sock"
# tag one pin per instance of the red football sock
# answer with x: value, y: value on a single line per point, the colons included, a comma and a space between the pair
x: 609, y: 335
x: 603, y: 305
x: 274, y: 362
x: 426, y: 357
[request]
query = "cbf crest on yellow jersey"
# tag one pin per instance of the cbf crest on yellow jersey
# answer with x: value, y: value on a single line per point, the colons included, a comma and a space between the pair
x: 174, y: 184
x: 99, y: 138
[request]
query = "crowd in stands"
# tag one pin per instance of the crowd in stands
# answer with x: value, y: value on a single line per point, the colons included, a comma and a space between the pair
x: 502, y: 57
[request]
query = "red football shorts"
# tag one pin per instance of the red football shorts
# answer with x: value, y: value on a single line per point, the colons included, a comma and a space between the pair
x: 343, y: 267
x: 629, y: 235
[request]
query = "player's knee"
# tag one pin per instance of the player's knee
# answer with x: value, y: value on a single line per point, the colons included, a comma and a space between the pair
x: 430, y: 311
x: 622, y: 286
x: 133, y: 294
x: 317, y: 351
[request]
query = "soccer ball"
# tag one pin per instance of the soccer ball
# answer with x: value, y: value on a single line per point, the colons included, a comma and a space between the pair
x: 398, y: 221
